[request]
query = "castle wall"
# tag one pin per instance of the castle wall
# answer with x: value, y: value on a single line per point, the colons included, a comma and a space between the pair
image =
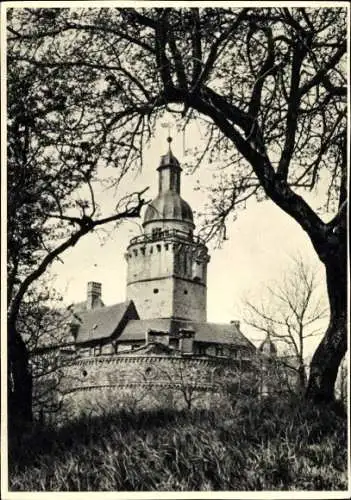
x: 189, y: 300
x: 93, y: 385
x: 152, y: 298
x: 166, y: 279
x: 168, y: 224
x: 151, y: 260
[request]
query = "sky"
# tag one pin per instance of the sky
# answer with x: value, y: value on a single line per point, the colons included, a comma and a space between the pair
x: 261, y: 242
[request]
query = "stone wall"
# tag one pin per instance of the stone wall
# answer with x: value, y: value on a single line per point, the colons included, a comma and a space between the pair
x: 94, y: 385
x: 189, y: 300
x: 167, y: 279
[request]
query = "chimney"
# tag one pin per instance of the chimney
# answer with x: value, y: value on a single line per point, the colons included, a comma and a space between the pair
x: 93, y: 295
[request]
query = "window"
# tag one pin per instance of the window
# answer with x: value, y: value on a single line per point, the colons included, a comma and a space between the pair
x: 166, y: 246
x: 174, y: 343
x: 156, y: 233
x: 219, y: 350
x: 202, y: 350
x: 155, y: 290
x: 185, y: 292
x: 84, y: 373
x: 158, y: 248
x: 185, y: 263
x: 97, y: 350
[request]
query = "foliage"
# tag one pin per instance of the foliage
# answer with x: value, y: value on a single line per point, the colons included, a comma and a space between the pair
x: 45, y: 326
x: 273, y: 444
x: 282, y: 102
x: 53, y: 158
x: 268, y: 86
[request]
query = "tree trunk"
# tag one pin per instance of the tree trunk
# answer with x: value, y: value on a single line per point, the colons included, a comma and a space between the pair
x: 302, y: 378
x: 19, y: 379
x: 331, y: 350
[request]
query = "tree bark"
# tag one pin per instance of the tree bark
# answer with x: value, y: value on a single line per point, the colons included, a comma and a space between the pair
x: 19, y: 379
x: 302, y: 378
x: 331, y: 350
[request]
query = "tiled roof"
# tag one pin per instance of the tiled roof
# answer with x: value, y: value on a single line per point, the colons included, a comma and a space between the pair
x: 103, y: 322
x: 204, y: 332
x: 220, y: 333
x: 136, y: 329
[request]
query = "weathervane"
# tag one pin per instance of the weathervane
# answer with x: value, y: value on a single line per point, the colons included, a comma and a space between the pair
x: 169, y: 138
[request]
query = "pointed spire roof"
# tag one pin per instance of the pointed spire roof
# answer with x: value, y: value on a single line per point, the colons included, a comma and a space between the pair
x: 268, y: 346
x: 169, y: 205
x: 169, y: 159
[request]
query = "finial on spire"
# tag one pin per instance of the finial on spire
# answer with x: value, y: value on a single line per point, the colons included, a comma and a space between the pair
x: 169, y: 140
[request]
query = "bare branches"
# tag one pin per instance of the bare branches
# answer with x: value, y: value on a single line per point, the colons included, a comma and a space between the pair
x: 86, y: 224
x: 218, y: 44
x: 163, y: 63
x: 321, y: 75
x: 292, y: 312
x: 292, y: 112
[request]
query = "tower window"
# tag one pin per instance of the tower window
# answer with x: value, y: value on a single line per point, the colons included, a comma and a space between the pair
x: 156, y: 233
x: 151, y: 249
x: 135, y: 252
x: 84, y: 373
x: 158, y: 248
x: 142, y: 251
x: 155, y: 290
x: 185, y: 292
x: 166, y: 246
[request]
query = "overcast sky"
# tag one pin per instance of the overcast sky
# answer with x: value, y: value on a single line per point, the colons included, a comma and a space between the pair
x: 259, y: 249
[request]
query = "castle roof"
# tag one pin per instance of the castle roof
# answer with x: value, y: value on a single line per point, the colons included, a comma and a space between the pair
x: 169, y: 160
x: 267, y: 346
x: 103, y: 322
x: 168, y: 206
x: 115, y: 320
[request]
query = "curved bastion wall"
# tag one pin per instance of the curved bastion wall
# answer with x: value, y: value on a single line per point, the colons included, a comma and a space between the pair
x: 97, y: 384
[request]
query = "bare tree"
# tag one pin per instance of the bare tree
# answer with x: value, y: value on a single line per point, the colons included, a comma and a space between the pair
x: 185, y: 379
x: 290, y: 312
x: 268, y: 86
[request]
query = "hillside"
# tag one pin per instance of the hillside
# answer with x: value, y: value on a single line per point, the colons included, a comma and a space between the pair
x: 257, y: 445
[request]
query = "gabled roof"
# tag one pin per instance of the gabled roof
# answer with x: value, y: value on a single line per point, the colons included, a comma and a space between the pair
x: 103, y: 322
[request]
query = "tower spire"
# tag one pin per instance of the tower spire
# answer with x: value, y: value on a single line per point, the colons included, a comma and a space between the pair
x: 169, y: 171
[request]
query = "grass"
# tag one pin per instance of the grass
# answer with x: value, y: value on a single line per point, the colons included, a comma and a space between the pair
x: 257, y: 445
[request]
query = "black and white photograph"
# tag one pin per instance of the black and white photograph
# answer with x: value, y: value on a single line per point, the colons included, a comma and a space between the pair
x: 174, y: 249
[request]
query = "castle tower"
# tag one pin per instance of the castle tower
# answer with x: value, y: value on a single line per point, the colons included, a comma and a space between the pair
x: 268, y: 352
x: 167, y: 265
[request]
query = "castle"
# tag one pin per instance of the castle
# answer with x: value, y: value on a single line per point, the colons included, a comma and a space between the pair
x: 159, y: 337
